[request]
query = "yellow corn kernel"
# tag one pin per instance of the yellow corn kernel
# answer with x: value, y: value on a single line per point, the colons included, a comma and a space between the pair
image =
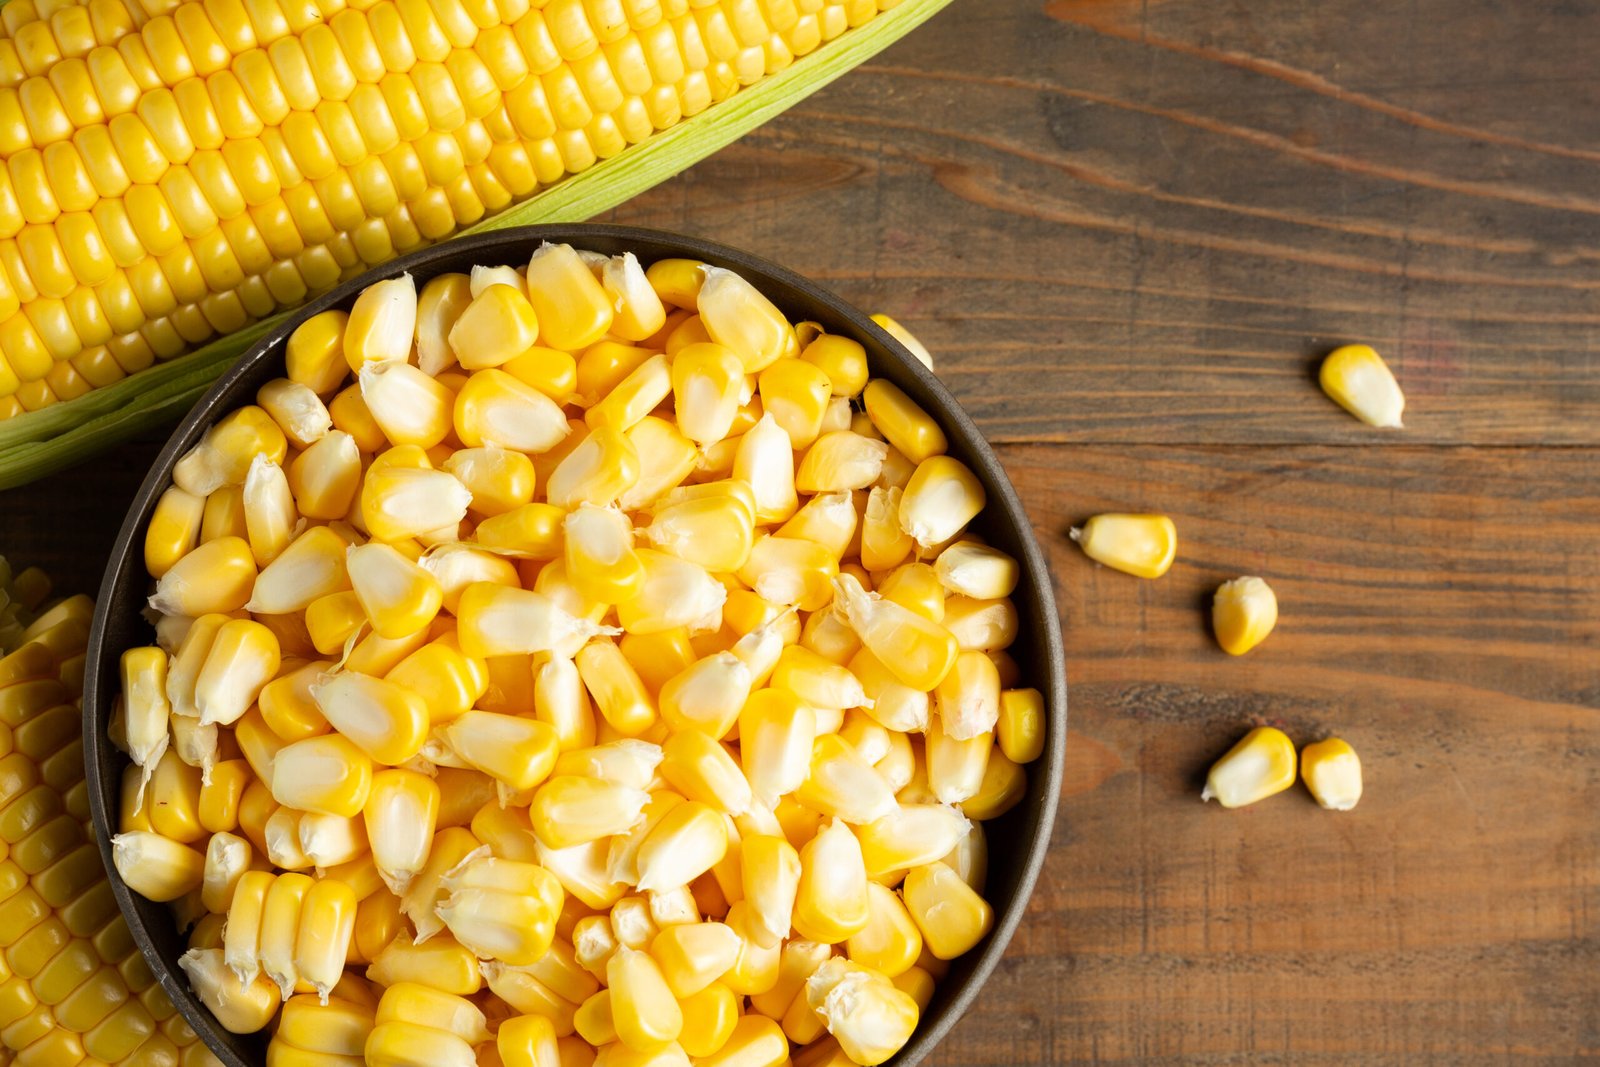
x: 398, y: 596
x: 844, y: 460
x: 883, y: 543
x: 634, y: 397
x: 978, y: 571
x: 334, y: 620
x: 844, y: 362
x: 243, y: 658
x: 529, y: 531
x: 1140, y: 545
x: 676, y: 281
x: 902, y: 422
x: 326, y: 929
x: 796, y: 394
x: 315, y: 353
x: 906, y: 338
x: 516, y: 751
x: 890, y: 942
x: 1332, y: 771
x: 842, y: 785
x: 224, y: 454
x: 1020, y: 729
x: 639, y: 311
x: 769, y: 870
x: 702, y: 770
x: 715, y: 532
x: 951, y: 916
x: 602, y: 466
x: 643, y: 1010
x: 568, y: 811
x: 775, y: 735
x: 326, y: 774
x: 241, y: 1009
x: 755, y: 1041
x: 155, y: 867
x: 439, y: 963
x: 1243, y: 613
x: 709, y: 1019
x: 401, y: 502
x: 917, y: 651
x: 551, y: 371
x: 324, y: 478
x: 404, y: 1044
x: 1261, y: 765
x: 737, y: 316
x: 498, y: 325
x: 940, y: 499
x: 336, y: 1028
x: 494, y: 408
x: 528, y: 1041
x: 830, y: 903
x: 174, y: 530
x: 297, y: 409
x: 599, y: 554
x: 146, y: 708
x: 693, y: 955
x: 215, y: 577
x: 407, y: 405
x: 386, y: 722
x: 174, y: 799
x: 382, y: 322
x: 593, y: 1020
x: 863, y: 1010
x: 916, y: 587
x: 1358, y: 380
x: 499, y: 480
x: 269, y: 511
x: 618, y: 693
x: 573, y: 309
x: 502, y: 909
x: 350, y: 415
x: 687, y: 841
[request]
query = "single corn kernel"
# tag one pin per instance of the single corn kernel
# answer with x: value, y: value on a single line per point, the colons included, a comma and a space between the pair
x: 573, y: 309
x: 215, y: 577
x: 1332, y: 771
x: 1358, y: 380
x: 870, y: 1018
x: 688, y: 841
x: 315, y: 353
x: 439, y: 306
x: 1140, y: 545
x: 977, y: 571
x: 398, y: 596
x: 156, y: 867
x: 243, y: 658
x: 709, y: 1019
x: 706, y: 384
x: 386, y: 722
x: 902, y: 422
x: 890, y: 942
x: 1243, y: 613
x: 844, y: 362
x: 831, y: 899
x: 241, y: 1009
x: 326, y: 774
x: 516, y: 751
x: 497, y: 326
x: 501, y: 909
x: 842, y: 785
x: 326, y: 928
x: 568, y: 810
x: 952, y: 918
x: 1020, y: 730
x: 693, y: 955
x: 942, y: 496
x: 846, y: 460
x: 297, y: 409
x: 1259, y: 766
x: 402, y: 502
x: 494, y: 408
x: 968, y: 698
x: 643, y: 1009
x: 382, y: 322
x: 910, y: 836
x: 599, y: 554
x: 174, y: 530
x: 498, y: 479
x: 916, y: 650
x: 401, y: 812
x: 639, y: 310
x: 906, y: 338
x: 410, y: 407
x: 770, y: 877
x: 775, y: 735
x: 739, y: 317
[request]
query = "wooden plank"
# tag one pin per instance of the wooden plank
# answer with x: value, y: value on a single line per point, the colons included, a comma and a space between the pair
x: 1164, y: 214
x: 1440, y: 611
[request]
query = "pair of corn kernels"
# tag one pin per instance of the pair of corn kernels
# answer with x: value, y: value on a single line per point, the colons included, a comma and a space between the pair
x: 1262, y: 765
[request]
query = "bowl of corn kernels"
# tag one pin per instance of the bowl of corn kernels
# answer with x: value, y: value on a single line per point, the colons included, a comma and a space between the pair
x: 570, y: 645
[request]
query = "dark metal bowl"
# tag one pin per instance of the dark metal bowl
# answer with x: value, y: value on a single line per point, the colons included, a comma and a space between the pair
x: 1017, y: 841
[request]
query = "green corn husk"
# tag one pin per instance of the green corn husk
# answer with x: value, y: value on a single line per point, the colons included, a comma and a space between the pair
x: 41, y: 442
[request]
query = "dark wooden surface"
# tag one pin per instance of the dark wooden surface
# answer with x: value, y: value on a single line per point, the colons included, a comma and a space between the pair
x: 1128, y: 230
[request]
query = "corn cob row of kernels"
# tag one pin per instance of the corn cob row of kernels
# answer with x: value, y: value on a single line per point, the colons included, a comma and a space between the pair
x: 175, y: 171
x: 73, y: 987
x: 611, y: 684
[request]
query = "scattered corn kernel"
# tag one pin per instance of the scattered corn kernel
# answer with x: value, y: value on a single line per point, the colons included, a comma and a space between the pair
x: 1243, y: 613
x: 1140, y: 545
x: 1259, y: 766
x: 1358, y: 380
x: 1332, y: 771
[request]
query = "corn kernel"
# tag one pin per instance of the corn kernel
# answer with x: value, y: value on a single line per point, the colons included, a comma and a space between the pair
x: 1332, y: 771
x: 1358, y: 380
x: 1261, y: 765
x: 1140, y: 545
x: 1243, y: 613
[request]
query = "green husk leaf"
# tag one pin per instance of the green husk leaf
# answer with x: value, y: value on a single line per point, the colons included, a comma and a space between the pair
x: 41, y: 442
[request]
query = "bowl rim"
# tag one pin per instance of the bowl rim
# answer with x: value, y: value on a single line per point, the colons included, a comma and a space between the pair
x: 1044, y: 775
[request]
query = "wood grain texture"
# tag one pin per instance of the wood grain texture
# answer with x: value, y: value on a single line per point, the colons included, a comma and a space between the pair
x: 1128, y: 230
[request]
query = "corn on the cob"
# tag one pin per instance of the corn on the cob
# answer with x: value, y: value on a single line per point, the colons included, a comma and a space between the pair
x: 624, y: 786
x: 87, y: 995
x: 183, y: 171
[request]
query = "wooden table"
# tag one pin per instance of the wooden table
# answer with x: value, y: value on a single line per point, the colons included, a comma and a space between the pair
x: 1128, y: 230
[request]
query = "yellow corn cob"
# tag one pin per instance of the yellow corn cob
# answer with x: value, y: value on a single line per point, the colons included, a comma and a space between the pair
x: 72, y: 983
